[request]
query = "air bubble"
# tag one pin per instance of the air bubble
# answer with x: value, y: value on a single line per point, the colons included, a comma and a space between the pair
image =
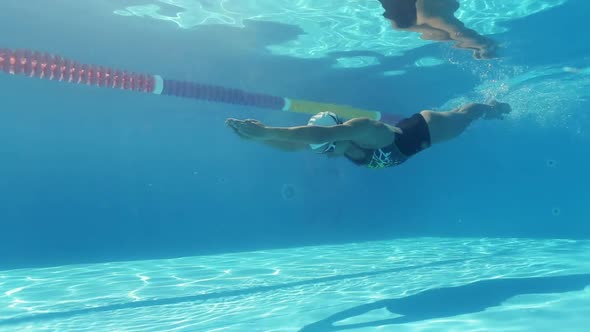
x: 288, y: 192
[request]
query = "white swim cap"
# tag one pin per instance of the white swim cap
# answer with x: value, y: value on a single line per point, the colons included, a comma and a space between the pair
x: 324, y: 119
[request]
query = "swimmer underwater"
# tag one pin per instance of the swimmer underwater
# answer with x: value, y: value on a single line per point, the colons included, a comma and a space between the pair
x: 366, y: 142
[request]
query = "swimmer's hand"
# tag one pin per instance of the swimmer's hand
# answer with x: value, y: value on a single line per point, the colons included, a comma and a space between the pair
x: 498, y: 110
x: 248, y: 129
x: 396, y: 130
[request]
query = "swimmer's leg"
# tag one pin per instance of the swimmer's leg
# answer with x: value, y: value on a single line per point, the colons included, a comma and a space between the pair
x: 444, y: 126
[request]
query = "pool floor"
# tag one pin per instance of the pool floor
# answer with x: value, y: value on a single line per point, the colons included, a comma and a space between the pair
x: 413, y: 284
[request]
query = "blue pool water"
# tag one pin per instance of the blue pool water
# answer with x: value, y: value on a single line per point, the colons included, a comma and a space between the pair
x: 122, y: 211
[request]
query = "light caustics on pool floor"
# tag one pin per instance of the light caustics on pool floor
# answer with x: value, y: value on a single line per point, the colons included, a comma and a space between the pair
x: 329, y: 25
x: 540, y: 283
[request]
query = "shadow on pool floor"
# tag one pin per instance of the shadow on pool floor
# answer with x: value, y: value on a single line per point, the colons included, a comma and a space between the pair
x: 452, y: 301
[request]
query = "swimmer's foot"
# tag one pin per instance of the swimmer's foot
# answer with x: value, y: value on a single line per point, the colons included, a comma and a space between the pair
x: 498, y: 110
x: 485, y: 53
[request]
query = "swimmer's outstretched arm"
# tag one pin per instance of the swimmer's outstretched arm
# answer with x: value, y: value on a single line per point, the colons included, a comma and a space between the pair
x: 359, y: 130
x: 279, y: 145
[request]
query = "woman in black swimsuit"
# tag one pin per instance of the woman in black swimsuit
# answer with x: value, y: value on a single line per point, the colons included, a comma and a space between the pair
x: 367, y: 142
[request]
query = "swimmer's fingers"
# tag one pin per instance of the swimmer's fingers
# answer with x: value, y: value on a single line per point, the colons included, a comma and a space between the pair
x: 230, y: 123
x: 240, y: 134
x: 235, y: 124
x: 253, y: 129
x: 397, y: 130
